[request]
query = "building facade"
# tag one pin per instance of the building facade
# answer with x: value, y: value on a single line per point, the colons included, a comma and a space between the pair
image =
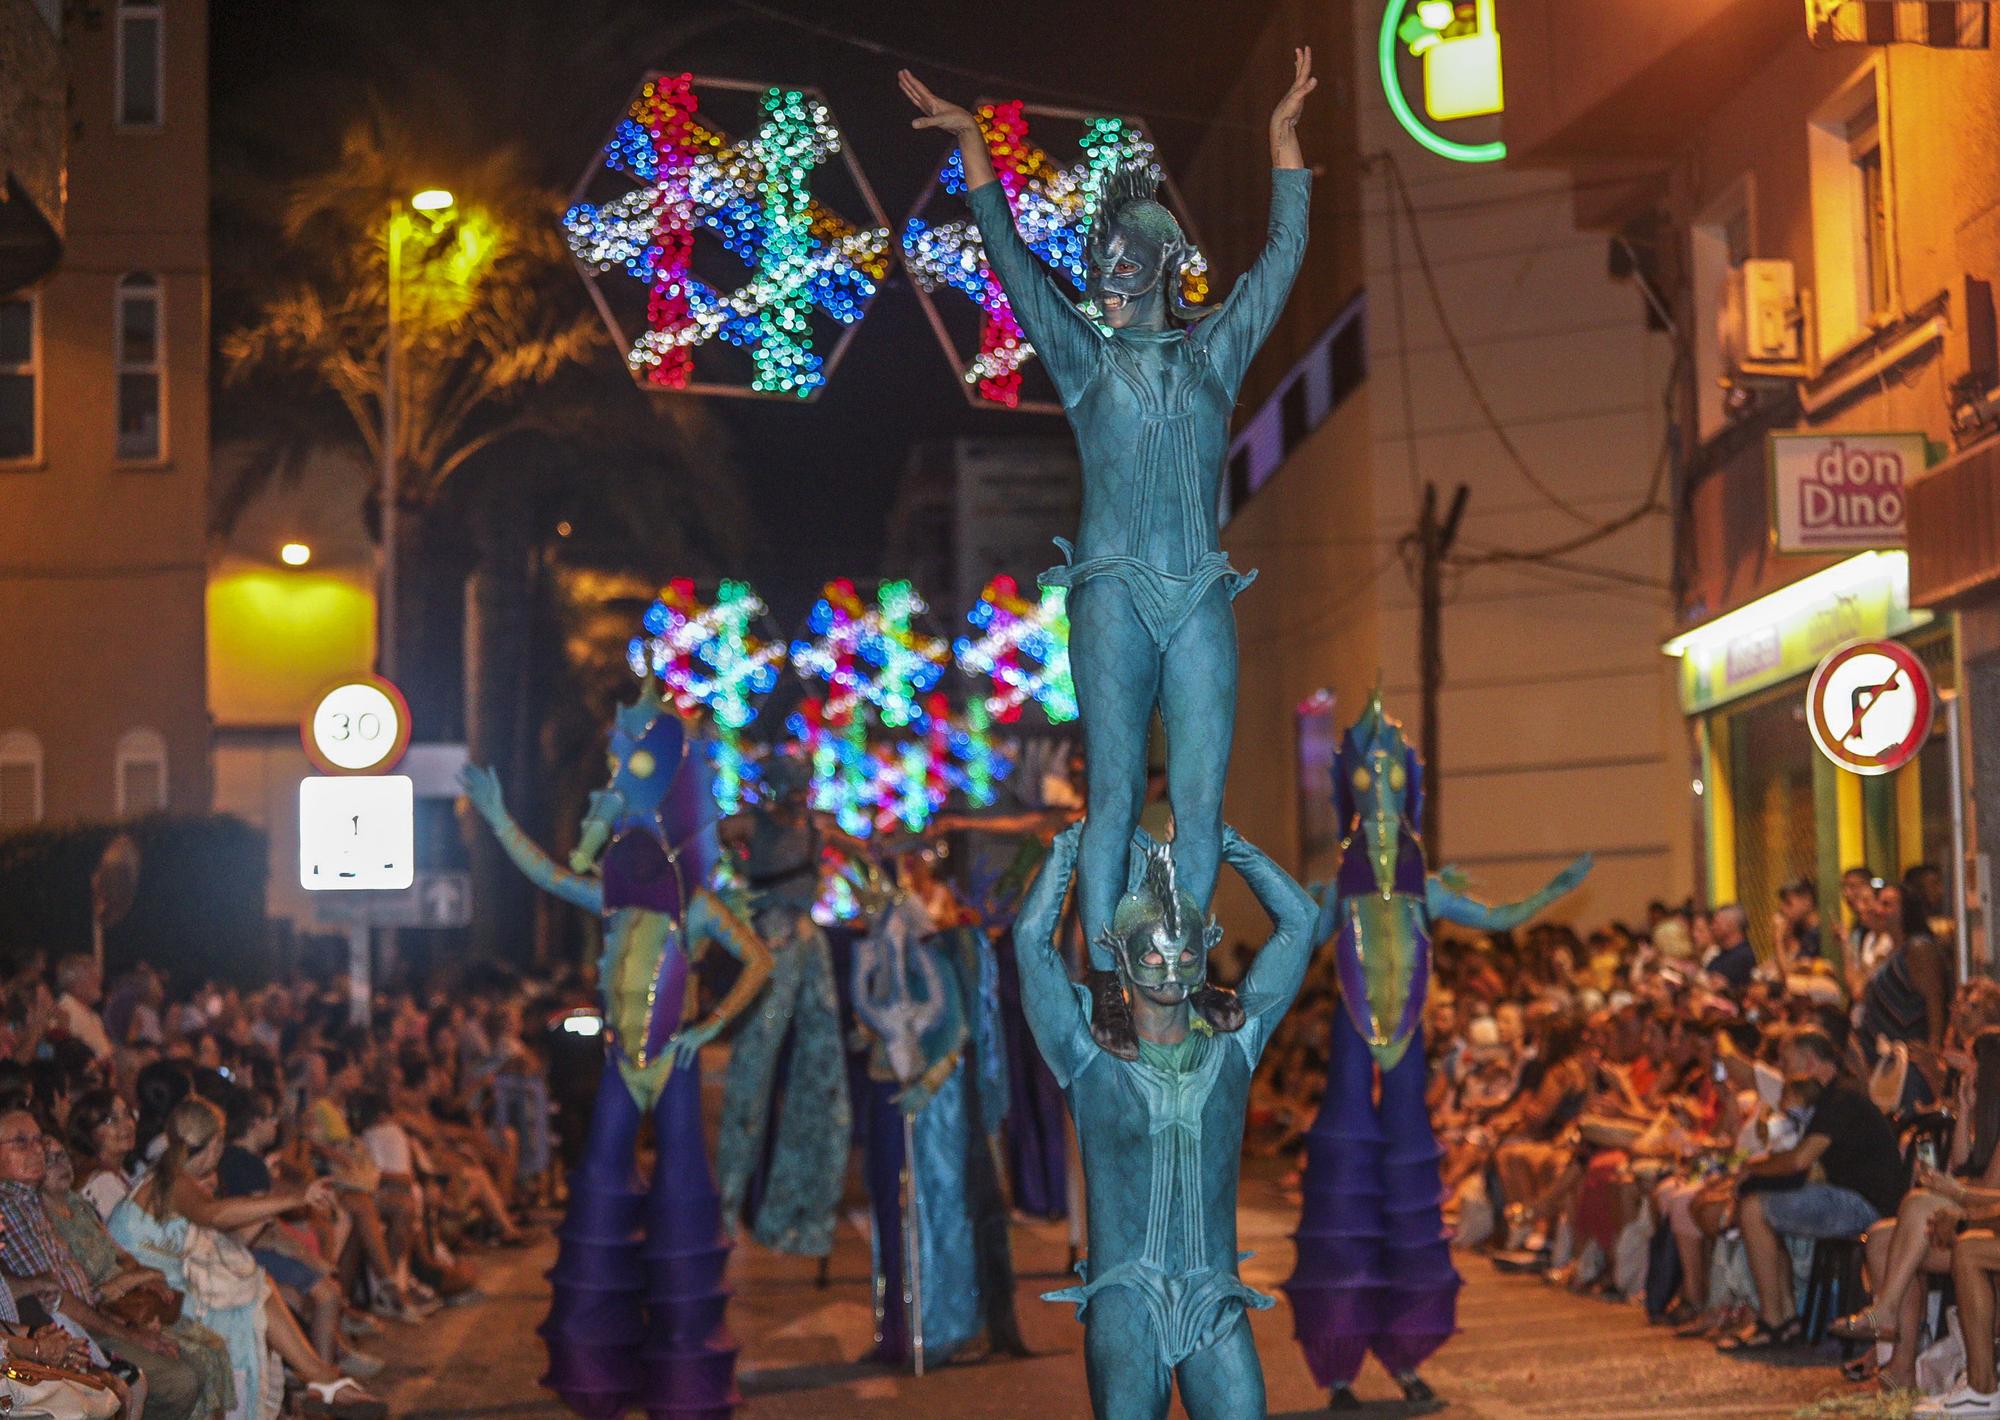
x: 1452, y: 328
x: 1811, y: 196
x: 104, y: 443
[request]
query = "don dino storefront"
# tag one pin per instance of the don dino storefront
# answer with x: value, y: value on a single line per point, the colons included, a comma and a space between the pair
x: 1772, y: 807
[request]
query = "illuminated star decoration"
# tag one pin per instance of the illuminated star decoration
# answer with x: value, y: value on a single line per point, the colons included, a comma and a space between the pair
x: 880, y: 670
x: 873, y: 655
x: 709, y: 660
x: 1053, y: 209
x: 1023, y: 648
x: 756, y: 199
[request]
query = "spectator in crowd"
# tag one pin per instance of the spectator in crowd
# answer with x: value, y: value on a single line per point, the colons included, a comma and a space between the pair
x: 81, y: 982
x: 32, y: 1252
x: 131, y: 1292
x: 1795, y: 926
x: 1906, y: 1002
x: 1735, y: 960
x: 1846, y: 1138
x: 172, y: 1221
x: 1917, y: 1240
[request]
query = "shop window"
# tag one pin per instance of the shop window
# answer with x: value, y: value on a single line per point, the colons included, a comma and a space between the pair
x: 141, y: 773
x: 20, y: 779
x: 20, y: 380
x: 1853, y: 231
x: 1717, y: 245
x: 141, y: 383
x: 142, y: 64
x: 1777, y: 830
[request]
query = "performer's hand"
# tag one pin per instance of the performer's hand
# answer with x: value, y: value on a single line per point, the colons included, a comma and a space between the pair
x: 937, y: 113
x: 1285, y: 117
x: 913, y: 1097
x: 1572, y: 875
x: 687, y: 1043
x: 482, y: 791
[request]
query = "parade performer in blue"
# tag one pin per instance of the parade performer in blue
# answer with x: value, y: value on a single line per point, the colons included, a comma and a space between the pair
x: 781, y: 1156
x: 1374, y: 1266
x: 1149, y: 385
x: 636, y: 1316
x: 927, y: 1002
x: 1162, y: 1135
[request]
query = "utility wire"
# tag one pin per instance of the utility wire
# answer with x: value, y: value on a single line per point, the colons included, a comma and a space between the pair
x: 1472, y: 385
x: 1095, y: 102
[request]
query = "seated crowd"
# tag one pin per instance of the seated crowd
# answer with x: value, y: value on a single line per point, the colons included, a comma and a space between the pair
x: 1661, y: 1113
x: 212, y: 1205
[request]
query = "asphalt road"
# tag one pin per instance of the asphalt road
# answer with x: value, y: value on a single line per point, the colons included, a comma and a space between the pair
x: 1527, y: 1351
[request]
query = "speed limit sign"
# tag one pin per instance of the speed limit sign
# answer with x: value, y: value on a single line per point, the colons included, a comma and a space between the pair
x: 359, y: 726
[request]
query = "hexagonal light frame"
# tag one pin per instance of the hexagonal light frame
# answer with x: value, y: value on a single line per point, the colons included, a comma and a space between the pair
x: 634, y: 247
x: 1065, y: 180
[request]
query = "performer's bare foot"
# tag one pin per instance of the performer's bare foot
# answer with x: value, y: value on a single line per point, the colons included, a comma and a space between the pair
x: 1111, y: 1015
x: 1219, y: 1006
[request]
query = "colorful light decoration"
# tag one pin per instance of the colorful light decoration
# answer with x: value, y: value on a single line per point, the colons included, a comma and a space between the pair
x: 1430, y: 29
x: 710, y: 661
x: 1023, y: 648
x: 1053, y: 209
x: 708, y: 657
x: 872, y: 655
x: 806, y: 262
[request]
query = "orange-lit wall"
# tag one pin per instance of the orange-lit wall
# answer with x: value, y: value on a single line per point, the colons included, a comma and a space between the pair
x: 102, y: 563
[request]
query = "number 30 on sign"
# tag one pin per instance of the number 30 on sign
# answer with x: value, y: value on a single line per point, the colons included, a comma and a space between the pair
x: 359, y: 726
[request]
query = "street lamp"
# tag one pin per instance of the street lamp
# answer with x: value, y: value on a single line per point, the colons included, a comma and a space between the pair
x: 431, y: 201
x: 295, y: 554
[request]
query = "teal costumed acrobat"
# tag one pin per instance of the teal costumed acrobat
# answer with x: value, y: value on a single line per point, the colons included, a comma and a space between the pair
x: 1149, y: 386
x: 1155, y: 1063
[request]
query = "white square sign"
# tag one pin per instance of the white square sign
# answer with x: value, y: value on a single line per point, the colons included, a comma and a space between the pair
x: 357, y: 833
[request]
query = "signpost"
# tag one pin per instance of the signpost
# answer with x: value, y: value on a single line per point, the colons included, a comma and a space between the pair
x: 357, y: 823
x: 1870, y: 705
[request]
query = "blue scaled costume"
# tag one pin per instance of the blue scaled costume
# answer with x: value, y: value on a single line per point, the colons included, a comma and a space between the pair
x: 636, y: 1316
x: 1162, y: 1138
x: 1150, y: 588
x: 928, y: 1004
x: 782, y: 1154
x: 1374, y: 1266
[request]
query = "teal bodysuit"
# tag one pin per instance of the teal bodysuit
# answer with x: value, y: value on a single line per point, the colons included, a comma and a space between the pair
x: 1162, y: 1140
x: 1150, y: 621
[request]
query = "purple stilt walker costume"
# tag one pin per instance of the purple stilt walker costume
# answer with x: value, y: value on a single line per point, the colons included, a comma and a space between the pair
x: 1374, y: 1266
x: 637, y: 1312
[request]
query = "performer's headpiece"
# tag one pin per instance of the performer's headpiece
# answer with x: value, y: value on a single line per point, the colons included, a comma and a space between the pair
x: 1133, y: 229
x: 1157, y: 935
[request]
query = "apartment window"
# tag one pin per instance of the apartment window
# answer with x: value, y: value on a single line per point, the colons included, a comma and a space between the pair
x: 20, y: 380
x: 1854, y: 251
x: 141, y: 65
x: 141, y: 773
x: 20, y: 779
x: 1718, y: 244
x: 141, y: 389
x: 1869, y: 212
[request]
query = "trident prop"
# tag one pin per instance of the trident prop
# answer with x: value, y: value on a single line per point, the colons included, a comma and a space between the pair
x: 883, y: 964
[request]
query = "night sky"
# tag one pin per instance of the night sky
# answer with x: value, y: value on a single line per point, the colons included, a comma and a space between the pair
x: 553, y: 75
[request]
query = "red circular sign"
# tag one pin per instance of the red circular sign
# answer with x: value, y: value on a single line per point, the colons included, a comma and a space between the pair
x: 1870, y: 706
x: 360, y: 725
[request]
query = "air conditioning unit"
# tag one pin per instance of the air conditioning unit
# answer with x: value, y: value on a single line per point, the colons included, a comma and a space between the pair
x: 1762, y: 325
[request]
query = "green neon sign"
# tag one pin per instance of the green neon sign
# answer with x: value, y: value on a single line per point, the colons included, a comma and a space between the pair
x: 1399, y: 104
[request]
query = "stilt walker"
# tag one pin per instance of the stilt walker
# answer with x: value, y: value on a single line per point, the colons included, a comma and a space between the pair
x: 1374, y: 1266
x: 637, y: 1312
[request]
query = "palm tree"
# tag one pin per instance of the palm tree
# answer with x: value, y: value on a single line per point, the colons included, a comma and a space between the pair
x: 512, y: 404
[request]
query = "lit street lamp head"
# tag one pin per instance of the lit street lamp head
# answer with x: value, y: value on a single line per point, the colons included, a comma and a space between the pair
x: 295, y: 554
x: 431, y: 199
